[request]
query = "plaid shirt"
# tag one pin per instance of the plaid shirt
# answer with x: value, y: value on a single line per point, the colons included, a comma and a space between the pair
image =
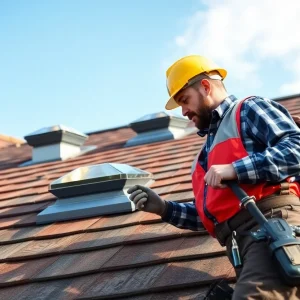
x: 272, y: 140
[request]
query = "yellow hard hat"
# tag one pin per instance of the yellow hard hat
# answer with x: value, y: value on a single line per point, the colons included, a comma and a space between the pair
x: 179, y: 74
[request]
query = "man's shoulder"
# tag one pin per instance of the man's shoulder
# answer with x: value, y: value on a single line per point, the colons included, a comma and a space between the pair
x: 255, y: 99
x: 261, y: 106
x: 258, y: 101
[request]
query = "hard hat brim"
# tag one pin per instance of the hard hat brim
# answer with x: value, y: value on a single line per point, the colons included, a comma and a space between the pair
x: 171, y: 104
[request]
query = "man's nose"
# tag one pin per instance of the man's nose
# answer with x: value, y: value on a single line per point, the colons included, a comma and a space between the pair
x: 184, y: 111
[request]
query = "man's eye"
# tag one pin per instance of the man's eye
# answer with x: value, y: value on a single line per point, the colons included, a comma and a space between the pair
x: 182, y: 101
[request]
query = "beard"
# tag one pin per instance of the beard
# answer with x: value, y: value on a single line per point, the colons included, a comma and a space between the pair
x: 201, y: 117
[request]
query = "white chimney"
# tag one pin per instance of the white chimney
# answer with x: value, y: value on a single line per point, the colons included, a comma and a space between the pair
x: 55, y: 143
x: 159, y: 127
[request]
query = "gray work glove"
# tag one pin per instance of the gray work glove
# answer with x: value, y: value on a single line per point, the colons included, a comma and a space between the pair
x: 145, y: 199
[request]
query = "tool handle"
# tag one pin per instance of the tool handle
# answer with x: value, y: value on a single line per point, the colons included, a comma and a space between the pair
x: 239, y: 192
x: 280, y: 236
x: 247, y: 202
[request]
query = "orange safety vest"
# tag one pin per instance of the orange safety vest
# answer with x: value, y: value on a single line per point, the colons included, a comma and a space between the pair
x: 218, y: 205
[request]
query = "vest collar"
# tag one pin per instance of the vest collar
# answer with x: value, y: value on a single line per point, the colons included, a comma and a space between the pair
x: 219, y: 112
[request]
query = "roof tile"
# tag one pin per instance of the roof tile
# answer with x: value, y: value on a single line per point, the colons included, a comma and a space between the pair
x: 77, y: 263
x: 101, y: 239
x: 9, y: 236
x: 26, y: 200
x: 132, y: 255
x: 124, y: 282
x: 41, y: 248
x: 196, y: 246
x: 148, y: 218
x: 24, y: 209
x: 117, y: 221
x: 143, y: 254
x: 196, y: 293
x: 9, y: 250
x: 22, y: 271
x: 171, y: 180
x: 180, y: 196
x: 154, y: 232
x: 57, y: 290
x: 119, y: 257
x: 65, y: 228
x: 9, y: 222
x: 196, y: 271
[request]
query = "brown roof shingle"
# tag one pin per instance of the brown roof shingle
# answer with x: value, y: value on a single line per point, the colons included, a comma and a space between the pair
x: 132, y: 255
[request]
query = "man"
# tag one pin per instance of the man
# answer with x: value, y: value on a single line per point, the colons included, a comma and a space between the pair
x: 254, y: 141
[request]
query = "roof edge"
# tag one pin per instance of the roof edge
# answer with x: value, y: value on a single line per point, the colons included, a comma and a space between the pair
x: 283, y: 98
x: 107, y: 130
x: 11, y: 139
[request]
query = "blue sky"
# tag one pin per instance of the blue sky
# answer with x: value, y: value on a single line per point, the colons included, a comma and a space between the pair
x: 93, y: 65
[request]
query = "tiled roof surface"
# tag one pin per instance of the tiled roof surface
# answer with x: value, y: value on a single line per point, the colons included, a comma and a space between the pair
x: 132, y: 255
x: 8, y: 141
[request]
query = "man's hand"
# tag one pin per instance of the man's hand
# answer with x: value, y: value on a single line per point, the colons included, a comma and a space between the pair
x: 217, y: 173
x: 145, y: 199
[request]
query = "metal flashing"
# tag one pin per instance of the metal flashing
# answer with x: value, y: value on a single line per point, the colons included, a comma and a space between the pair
x: 93, y: 190
x: 86, y: 206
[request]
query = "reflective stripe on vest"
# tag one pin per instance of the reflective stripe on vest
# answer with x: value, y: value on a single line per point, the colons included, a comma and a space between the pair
x: 217, y: 205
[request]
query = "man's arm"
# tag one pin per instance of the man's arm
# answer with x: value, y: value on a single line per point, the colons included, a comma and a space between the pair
x: 182, y: 215
x: 270, y: 125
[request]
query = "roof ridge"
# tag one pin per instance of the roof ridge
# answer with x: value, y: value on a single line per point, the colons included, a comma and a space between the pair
x: 11, y: 139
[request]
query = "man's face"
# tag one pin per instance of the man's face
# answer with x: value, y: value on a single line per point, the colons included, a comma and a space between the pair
x: 195, y: 106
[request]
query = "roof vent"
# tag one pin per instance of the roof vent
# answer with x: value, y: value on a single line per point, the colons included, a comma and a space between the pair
x: 92, y: 191
x: 56, y: 143
x: 158, y: 127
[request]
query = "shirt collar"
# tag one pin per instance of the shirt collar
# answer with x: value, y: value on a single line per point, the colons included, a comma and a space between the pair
x: 219, y: 111
x: 224, y: 106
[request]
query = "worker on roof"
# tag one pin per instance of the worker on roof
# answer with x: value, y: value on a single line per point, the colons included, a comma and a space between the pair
x: 254, y: 141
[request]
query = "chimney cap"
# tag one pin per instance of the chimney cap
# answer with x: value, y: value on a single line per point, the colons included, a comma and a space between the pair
x: 157, y: 127
x: 157, y: 115
x: 54, y: 143
x: 54, y: 128
x: 55, y: 134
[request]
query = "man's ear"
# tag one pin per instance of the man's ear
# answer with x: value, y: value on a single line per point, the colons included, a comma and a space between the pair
x: 206, y: 85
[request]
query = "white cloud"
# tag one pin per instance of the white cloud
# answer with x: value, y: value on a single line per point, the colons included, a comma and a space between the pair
x: 243, y: 35
x: 294, y: 86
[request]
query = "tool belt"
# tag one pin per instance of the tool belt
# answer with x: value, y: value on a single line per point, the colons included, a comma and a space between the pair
x: 266, y: 206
